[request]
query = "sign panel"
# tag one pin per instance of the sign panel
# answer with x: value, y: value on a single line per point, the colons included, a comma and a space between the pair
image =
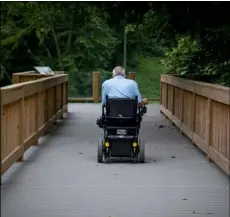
x: 44, y: 70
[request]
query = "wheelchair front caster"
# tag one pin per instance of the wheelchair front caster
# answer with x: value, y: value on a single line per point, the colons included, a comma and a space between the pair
x: 141, y: 151
x: 100, y: 151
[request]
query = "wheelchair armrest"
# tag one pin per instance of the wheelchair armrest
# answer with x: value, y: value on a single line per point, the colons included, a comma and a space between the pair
x: 103, y: 110
x: 143, y: 110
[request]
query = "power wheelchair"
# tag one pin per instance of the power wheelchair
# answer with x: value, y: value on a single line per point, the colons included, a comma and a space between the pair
x: 121, y: 121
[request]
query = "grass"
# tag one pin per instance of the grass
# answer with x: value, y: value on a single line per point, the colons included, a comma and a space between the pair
x: 148, y: 76
x: 148, y: 72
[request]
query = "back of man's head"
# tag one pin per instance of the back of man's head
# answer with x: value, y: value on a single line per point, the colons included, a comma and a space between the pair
x: 119, y: 70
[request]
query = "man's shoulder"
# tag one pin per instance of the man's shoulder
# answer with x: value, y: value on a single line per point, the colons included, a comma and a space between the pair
x: 127, y: 80
x: 106, y: 81
x: 132, y: 82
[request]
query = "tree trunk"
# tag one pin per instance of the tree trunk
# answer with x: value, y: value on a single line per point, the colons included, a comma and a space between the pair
x: 57, y: 46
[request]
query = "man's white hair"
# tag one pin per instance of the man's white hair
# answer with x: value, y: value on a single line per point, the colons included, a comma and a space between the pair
x: 119, y: 70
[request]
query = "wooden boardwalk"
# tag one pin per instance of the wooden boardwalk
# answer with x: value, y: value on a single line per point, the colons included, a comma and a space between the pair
x: 61, y: 176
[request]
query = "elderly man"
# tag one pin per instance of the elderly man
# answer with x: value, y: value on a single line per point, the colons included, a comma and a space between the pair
x: 120, y: 87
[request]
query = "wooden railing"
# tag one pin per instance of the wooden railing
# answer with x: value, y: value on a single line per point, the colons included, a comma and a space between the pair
x: 27, y: 112
x: 202, y: 112
x: 96, y: 85
x: 20, y: 77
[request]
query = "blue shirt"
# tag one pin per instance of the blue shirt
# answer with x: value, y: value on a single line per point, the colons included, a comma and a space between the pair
x: 120, y: 87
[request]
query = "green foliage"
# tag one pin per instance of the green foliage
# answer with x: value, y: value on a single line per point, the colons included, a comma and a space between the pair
x: 148, y: 76
x: 192, y: 60
x: 74, y: 37
x: 81, y: 37
x: 181, y: 58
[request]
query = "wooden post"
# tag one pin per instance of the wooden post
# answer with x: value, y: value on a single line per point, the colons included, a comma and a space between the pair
x: 132, y: 75
x: 62, y: 100
x: 21, y: 126
x: 37, y: 115
x: 15, y: 79
x: 96, y: 83
x: 182, y: 110
x: 65, y: 96
x: 67, y: 93
x: 193, y: 113
x: 166, y: 92
x: 173, y: 104
x: 209, y: 134
x: 55, y: 99
x: 46, y: 104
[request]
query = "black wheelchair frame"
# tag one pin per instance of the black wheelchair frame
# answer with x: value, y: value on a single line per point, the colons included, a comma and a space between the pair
x: 121, y: 124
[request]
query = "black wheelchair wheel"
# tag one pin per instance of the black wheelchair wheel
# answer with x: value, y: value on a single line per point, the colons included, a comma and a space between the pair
x: 100, y: 150
x: 141, y: 151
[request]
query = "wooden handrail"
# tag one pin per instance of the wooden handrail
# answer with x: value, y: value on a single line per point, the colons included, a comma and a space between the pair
x: 96, y: 86
x: 202, y: 112
x: 27, y: 111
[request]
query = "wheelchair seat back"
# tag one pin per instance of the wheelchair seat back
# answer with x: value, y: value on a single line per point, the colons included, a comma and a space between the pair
x: 121, y: 112
x: 122, y: 108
